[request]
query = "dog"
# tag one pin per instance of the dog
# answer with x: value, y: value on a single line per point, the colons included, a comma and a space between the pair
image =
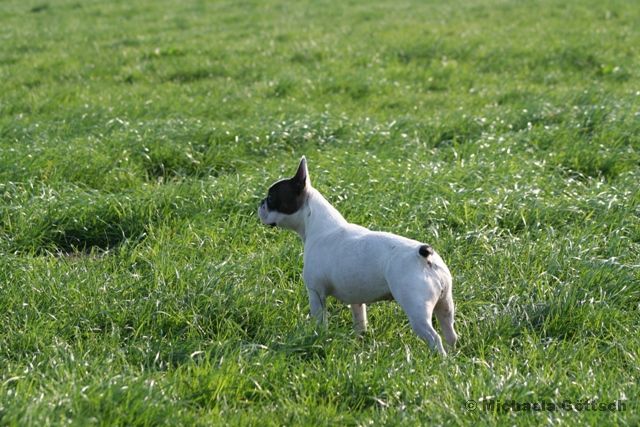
x: 359, y: 266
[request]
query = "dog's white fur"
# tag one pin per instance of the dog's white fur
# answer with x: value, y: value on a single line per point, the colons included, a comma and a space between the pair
x: 359, y: 266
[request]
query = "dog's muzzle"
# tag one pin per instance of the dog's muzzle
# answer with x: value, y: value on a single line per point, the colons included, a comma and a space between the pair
x: 263, y: 214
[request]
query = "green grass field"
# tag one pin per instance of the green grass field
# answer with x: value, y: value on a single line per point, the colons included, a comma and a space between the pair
x: 137, y: 286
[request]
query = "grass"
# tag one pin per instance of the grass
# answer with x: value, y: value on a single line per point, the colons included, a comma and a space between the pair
x: 138, y: 288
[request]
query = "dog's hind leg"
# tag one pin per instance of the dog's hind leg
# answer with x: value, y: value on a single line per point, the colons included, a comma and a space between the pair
x: 444, y: 311
x: 423, y: 327
x: 418, y: 304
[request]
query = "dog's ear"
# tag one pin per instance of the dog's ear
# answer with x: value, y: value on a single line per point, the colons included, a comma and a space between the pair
x: 302, y: 175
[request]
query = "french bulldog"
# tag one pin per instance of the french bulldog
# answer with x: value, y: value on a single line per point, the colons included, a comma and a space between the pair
x: 359, y: 266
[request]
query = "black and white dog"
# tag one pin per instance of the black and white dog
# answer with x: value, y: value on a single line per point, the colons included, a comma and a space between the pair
x: 359, y: 266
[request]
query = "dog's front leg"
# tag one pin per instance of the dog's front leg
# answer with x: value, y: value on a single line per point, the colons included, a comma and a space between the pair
x: 318, y: 308
x: 359, y: 313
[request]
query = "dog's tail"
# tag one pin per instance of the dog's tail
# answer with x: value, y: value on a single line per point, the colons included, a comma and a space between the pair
x: 425, y: 251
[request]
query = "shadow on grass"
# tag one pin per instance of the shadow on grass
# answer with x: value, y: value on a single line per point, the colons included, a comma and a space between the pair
x: 77, y: 220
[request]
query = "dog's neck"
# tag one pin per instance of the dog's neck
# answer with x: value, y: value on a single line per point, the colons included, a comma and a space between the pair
x: 318, y: 216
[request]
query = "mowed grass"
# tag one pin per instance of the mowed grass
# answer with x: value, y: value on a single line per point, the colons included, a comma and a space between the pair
x: 137, y: 286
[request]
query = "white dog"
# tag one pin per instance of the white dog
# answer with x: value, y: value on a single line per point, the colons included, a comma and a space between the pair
x: 359, y: 266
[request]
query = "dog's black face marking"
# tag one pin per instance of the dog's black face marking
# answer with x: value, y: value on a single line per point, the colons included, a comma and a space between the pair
x: 288, y: 195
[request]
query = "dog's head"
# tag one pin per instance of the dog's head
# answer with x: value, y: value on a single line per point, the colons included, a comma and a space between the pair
x: 286, y: 199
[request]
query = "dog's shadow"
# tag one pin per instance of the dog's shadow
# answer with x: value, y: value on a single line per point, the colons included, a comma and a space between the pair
x: 305, y: 342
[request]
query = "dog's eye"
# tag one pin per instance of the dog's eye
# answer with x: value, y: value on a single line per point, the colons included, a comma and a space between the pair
x: 269, y: 199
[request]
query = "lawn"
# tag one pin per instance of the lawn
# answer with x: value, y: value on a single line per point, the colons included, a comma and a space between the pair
x: 138, y: 287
